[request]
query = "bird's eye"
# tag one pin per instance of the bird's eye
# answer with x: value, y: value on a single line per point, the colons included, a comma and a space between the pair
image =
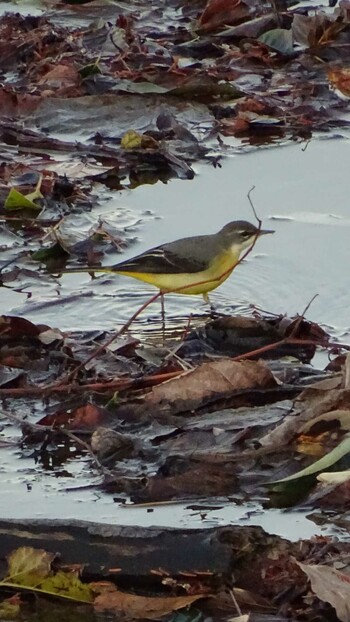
x: 246, y: 234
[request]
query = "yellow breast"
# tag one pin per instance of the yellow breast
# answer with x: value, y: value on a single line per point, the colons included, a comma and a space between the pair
x: 193, y: 283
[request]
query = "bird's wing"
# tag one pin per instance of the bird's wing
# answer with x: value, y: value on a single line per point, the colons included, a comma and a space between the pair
x: 174, y: 258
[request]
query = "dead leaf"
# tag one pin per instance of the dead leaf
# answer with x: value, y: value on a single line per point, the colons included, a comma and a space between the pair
x: 330, y: 421
x: 330, y: 586
x: 321, y: 397
x: 337, y: 477
x: 88, y: 416
x: 210, y: 380
x: 60, y: 75
x: 10, y: 608
x: 219, y: 13
x: 138, y: 607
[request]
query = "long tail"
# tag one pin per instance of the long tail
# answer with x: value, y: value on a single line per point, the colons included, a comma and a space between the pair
x: 88, y: 269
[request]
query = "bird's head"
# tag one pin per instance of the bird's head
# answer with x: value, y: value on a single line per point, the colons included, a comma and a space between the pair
x: 240, y: 234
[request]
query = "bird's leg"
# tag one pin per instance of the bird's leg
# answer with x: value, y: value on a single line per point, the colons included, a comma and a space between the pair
x: 212, y: 307
x: 162, y: 309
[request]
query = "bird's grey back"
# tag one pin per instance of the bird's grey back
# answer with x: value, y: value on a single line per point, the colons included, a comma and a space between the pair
x: 185, y: 255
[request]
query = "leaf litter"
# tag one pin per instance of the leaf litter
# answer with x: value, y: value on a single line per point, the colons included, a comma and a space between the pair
x: 134, y: 98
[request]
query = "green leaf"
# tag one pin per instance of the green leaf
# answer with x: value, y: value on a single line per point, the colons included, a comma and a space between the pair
x: 31, y: 569
x: 278, y: 39
x: 56, y: 251
x: 16, y: 200
x: 67, y: 585
x: 324, y: 464
x: 90, y: 70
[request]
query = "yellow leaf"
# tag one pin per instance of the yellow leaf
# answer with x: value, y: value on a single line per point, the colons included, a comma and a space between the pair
x: 131, y: 140
x: 67, y: 585
x: 28, y: 566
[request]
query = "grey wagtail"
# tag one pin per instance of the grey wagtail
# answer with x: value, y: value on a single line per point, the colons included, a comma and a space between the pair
x: 194, y: 265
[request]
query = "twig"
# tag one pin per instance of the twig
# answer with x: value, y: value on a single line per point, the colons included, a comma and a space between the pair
x: 291, y: 341
x: 252, y: 206
x: 302, y: 317
x: 250, y: 248
x: 86, y: 446
x: 248, y: 454
x: 101, y: 348
x: 275, y: 10
x: 149, y: 381
x: 35, y: 427
x: 238, y: 609
x: 121, y: 384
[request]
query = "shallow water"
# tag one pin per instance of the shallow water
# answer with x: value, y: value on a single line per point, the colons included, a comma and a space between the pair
x: 33, y: 492
x: 303, y: 195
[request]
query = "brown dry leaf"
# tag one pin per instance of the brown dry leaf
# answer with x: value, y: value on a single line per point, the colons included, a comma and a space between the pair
x: 330, y: 586
x: 339, y: 81
x: 14, y: 104
x: 88, y: 416
x: 234, y: 127
x: 336, y: 420
x: 211, y: 380
x: 219, y: 13
x: 60, y: 75
x: 137, y: 607
x: 316, y: 30
x: 318, y: 399
x: 12, y: 326
x: 252, y: 600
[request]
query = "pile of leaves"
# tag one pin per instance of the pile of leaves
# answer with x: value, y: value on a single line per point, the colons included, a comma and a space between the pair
x: 102, y: 97
x: 161, y: 427
x: 142, y: 92
x: 41, y: 574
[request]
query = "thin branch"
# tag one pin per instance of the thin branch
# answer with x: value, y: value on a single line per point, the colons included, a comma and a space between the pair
x: 252, y: 206
x: 122, y: 384
x: 301, y: 317
x: 103, y: 347
x: 238, y: 609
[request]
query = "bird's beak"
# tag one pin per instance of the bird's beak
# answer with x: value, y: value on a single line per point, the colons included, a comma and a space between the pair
x: 266, y: 231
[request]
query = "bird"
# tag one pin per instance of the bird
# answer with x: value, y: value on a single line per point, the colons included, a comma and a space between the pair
x: 191, y: 265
